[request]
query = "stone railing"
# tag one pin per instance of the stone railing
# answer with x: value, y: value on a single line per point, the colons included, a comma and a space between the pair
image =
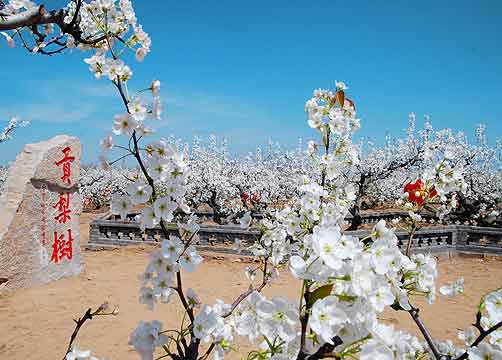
x: 450, y: 239
x: 366, y: 218
x: 388, y: 216
x: 108, y: 231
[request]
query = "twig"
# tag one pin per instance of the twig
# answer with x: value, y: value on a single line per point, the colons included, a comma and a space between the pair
x: 245, y: 294
x: 414, y: 312
x: 80, y: 322
x: 208, y: 352
x: 410, y: 240
x: 482, y: 334
x: 325, y: 350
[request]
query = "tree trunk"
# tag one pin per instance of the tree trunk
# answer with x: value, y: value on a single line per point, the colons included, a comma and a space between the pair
x: 357, y: 220
x: 355, y: 211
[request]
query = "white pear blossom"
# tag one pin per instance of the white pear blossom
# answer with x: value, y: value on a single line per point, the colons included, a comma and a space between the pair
x: 146, y: 337
x: 493, y: 305
x: 162, y: 287
x: 77, y: 354
x: 148, y: 218
x: 147, y: 297
x: 172, y: 248
x: 121, y: 205
x: 124, y: 124
x: 277, y: 317
x: 190, y: 259
x: 138, y: 109
x: 206, y: 323
x: 327, y: 318
x: 484, y: 351
x: 164, y: 208
x: 453, y: 289
x: 139, y: 192
x: 325, y: 242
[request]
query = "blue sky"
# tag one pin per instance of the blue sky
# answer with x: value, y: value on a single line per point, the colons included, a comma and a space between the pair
x: 245, y: 69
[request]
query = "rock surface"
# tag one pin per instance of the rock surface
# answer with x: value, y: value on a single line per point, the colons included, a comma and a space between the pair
x: 41, y: 186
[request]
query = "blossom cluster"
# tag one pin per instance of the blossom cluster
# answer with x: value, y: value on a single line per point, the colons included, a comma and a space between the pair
x: 157, y: 280
x: 347, y: 281
x: 166, y: 167
x: 99, y: 23
x: 437, y: 188
x: 8, y: 130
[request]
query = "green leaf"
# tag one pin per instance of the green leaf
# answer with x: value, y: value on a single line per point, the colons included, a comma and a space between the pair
x: 319, y: 293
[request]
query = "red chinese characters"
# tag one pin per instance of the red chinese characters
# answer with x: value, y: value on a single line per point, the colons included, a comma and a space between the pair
x: 63, y: 240
x: 62, y: 247
x: 63, y: 208
x: 66, y: 162
x: 418, y: 192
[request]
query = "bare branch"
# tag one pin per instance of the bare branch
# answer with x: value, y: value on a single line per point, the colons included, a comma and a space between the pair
x: 325, y: 350
x: 245, y: 294
x: 36, y: 16
x: 482, y: 334
x: 414, y: 312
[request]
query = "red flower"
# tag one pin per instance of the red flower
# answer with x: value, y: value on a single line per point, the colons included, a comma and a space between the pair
x: 417, y: 192
x: 245, y: 197
x: 256, y: 197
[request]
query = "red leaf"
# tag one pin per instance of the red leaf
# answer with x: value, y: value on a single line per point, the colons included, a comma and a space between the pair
x: 340, y: 97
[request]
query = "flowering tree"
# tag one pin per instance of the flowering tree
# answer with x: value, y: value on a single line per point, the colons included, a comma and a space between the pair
x: 9, y: 129
x: 268, y: 180
x: 383, y: 171
x: 378, y: 165
x: 97, y: 186
x: 4, y: 172
x: 346, y: 281
x: 211, y: 172
x: 5, y: 135
x: 231, y: 186
x: 483, y: 175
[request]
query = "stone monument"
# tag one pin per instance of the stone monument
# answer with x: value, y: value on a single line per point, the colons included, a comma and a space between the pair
x: 40, y: 215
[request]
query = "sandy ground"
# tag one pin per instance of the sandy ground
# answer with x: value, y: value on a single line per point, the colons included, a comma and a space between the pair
x: 37, y: 323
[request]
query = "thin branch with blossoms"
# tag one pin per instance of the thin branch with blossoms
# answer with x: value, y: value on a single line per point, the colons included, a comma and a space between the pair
x: 13, y: 124
x: 102, y: 310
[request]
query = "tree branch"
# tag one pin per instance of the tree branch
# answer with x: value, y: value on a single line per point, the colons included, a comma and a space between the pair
x: 325, y: 350
x: 35, y: 16
x: 80, y: 322
x: 425, y: 332
x: 482, y: 334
